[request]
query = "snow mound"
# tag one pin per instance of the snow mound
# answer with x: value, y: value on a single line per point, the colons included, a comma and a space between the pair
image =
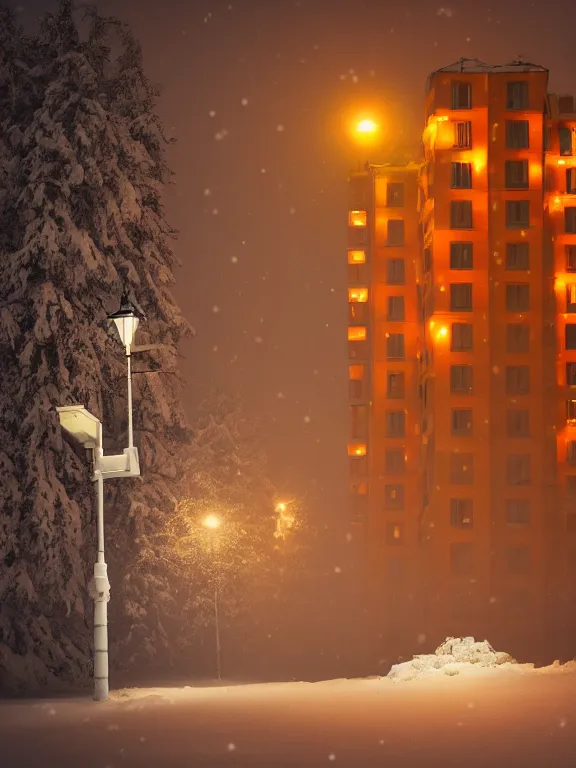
x: 453, y: 656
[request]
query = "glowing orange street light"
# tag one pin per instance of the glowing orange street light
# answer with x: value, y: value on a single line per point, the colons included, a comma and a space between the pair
x: 367, y: 126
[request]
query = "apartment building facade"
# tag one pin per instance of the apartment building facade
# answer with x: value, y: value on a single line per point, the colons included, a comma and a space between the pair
x: 487, y: 522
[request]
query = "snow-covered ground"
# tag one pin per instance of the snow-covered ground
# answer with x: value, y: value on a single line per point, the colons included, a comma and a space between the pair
x: 505, y: 716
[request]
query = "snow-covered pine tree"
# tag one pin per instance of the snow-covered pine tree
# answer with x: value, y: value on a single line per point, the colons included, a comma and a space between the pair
x: 83, y: 170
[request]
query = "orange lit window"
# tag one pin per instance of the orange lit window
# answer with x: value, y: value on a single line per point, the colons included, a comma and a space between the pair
x: 357, y: 219
x: 360, y: 294
x: 570, y: 293
x: 357, y: 372
x: 360, y: 489
x: 356, y: 333
x: 356, y: 257
x: 356, y: 449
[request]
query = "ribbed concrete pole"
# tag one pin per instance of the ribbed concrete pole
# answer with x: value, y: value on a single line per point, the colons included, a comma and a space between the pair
x: 100, y: 592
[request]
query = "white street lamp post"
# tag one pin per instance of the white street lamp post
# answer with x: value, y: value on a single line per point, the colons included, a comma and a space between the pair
x: 87, y: 429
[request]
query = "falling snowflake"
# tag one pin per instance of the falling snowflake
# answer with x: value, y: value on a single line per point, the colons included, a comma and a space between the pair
x: 244, y: 102
x: 214, y: 349
x: 444, y: 12
x: 421, y: 639
x: 468, y: 39
x: 337, y: 569
x: 215, y: 211
x: 280, y: 128
x: 292, y: 210
x: 280, y: 395
x: 258, y: 339
x: 221, y: 134
x: 212, y: 113
x: 262, y: 170
x: 234, y: 259
x: 349, y: 537
x: 231, y: 747
x: 307, y: 419
x: 215, y: 308
x: 207, y: 192
x: 332, y: 756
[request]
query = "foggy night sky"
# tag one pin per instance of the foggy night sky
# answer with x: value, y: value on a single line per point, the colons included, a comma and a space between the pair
x: 262, y: 210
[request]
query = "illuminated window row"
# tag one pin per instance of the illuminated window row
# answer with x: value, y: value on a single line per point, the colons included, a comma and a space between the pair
x: 517, y: 95
x: 517, y: 215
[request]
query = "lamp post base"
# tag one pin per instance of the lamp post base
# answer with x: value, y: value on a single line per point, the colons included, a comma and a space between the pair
x: 100, y: 592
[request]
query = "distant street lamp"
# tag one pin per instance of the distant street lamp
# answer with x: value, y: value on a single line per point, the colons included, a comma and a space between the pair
x: 367, y: 126
x: 213, y: 523
x: 87, y: 429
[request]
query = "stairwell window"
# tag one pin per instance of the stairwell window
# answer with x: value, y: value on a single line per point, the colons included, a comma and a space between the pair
x: 462, y: 558
x: 357, y: 218
x: 570, y: 336
x: 517, y: 214
x: 395, y: 232
x: 461, y: 422
x: 461, y: 297
x: 571, y: 181
x: 518, y: 559
x: 395, y: 347
x: 571, y: 374
x: 395, y: 462
x: 517, y: 338
x: 571, y: 452
x: 461, y: 469
x: 394, y: 496
x: 395, y: 424
x: 394, y: 534
x: 517, y: 257
x: 461, y: 255
x: 462, y: 339
x: 396, y: 309
x: 571, y: 298
x: 517, y: 511
x: 570, y: 220
x: 518, y: 469
x: 461, y: 379
x: 461, y: 513
x: 517, y: 95
x: 461, y: 214
x: 565, y: 139
x: 570, y: 254
x: 517, y: 379
x: 395, y: 194
x: 517, y: 174
x: 517, y: 297
x: 357, y: 382
x: 463, y: 135
x: 517, y: 134
x: 461, y: 95
x: 395, y: 384
x: 461, y: 176
x: 395, y: 272
x: 518, y: 422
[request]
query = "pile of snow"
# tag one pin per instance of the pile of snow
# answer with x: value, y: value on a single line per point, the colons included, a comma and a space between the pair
x: 454, y: 655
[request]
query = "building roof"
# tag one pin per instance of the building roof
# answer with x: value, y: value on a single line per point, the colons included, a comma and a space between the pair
x: 475, y: 66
